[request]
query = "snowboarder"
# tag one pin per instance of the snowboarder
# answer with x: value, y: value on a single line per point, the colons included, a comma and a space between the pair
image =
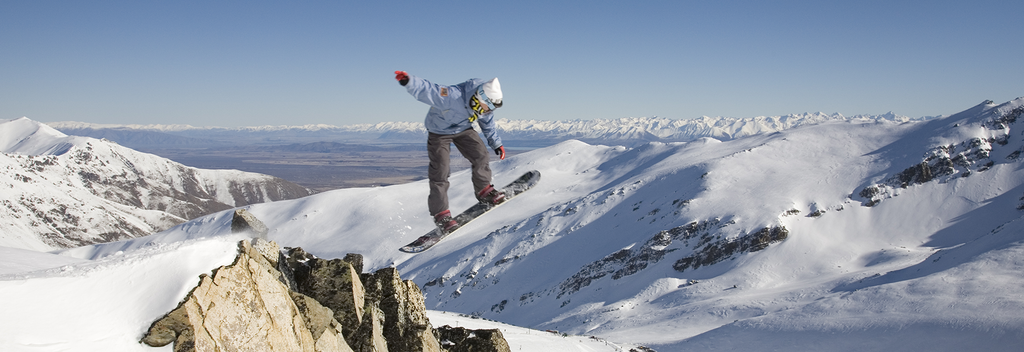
x: 453, y: 110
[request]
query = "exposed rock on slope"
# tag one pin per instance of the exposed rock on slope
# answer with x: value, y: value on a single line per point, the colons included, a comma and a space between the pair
x: 269, y: 301
x: 705, y: 251
x: 472, y: 340
x: 245, y: 307
x: 724, y: 249
x: 969, y: 149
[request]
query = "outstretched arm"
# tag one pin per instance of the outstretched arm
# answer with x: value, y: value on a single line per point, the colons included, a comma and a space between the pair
x: 442, y: 97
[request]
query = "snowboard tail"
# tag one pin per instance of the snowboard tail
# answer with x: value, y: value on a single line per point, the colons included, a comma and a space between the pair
x: 520, y: 185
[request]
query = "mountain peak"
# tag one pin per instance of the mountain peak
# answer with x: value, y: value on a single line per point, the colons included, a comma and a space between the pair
x: 63, y: 191
x: 28, y: 137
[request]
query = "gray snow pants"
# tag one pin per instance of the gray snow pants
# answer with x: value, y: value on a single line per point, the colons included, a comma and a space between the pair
x: 439, y: 149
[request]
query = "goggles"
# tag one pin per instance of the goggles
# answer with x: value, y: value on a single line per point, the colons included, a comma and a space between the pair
x: 483, y: 97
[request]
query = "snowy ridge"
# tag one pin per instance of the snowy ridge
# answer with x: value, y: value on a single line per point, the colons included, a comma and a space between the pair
x: 63, y: 191
x: 766, y: 242
x: 623, y: 129
x: 24, y: 136
x: 664, y: 129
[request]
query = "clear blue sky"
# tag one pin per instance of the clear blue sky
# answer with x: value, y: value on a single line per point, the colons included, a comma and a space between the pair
x: 244, y: 63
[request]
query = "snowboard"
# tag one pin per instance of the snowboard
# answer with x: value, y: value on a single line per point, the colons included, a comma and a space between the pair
x: 520, y: 185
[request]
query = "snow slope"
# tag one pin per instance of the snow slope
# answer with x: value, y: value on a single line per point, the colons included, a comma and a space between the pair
x: 107, y: 304
x: 766, y: 242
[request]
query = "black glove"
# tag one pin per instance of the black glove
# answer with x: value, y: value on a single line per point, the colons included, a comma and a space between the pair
x: 500, y: 151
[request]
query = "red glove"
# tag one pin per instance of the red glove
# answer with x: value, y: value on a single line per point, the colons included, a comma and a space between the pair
x: 402, y: 77
x: 500, y: 151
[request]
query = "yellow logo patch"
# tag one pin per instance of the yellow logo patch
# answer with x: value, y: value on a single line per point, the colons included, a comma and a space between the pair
x: 444, y: 92
x: 476, y: 107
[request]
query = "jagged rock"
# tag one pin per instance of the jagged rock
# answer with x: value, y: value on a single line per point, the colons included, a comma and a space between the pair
x: 269, y: 301
x: 945, y: 162
x: 245, y: 307
x: 593, y: 271
x: 268, y: 250
x: 406, y: 327
x: 465, y: 340
x: 326, y: 330
x: 916, y: 174
x: 335, y: 283
x: 244, y: 221
x: 370, y: 335
x: 724, y: 249
x: 627, y: 262
x: 356, y: 260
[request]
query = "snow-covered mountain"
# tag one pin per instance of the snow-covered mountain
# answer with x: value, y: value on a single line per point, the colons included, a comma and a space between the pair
x: 671, y: 130
x: 623, y: 131
x: 63, y: 191
x: 845, y: 235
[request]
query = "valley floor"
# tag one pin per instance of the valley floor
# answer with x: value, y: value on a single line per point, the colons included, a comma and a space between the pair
x: 320, y: 171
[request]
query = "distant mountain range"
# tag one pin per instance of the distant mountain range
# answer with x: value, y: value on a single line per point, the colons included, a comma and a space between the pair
x: 532, y: 133
x: 62, y: 191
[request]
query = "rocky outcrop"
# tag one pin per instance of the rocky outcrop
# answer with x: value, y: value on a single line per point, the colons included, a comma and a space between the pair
x: 378, y: 308
x: 944, y: 163
x: 246, y: 307
x: 721, y: 250
x: 274, y: 300
x: 244, y: 221
x: 629, y: 261
x: 406, y: 327
x: 706, y: 251
x: 335, y: 283
x: 466, y: 340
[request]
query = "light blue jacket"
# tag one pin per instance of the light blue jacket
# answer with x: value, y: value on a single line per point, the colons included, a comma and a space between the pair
x: 449, y: 108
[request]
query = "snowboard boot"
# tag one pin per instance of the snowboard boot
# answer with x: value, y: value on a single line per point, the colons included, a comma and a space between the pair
x: 444, y: 221
x: 490, y: 196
